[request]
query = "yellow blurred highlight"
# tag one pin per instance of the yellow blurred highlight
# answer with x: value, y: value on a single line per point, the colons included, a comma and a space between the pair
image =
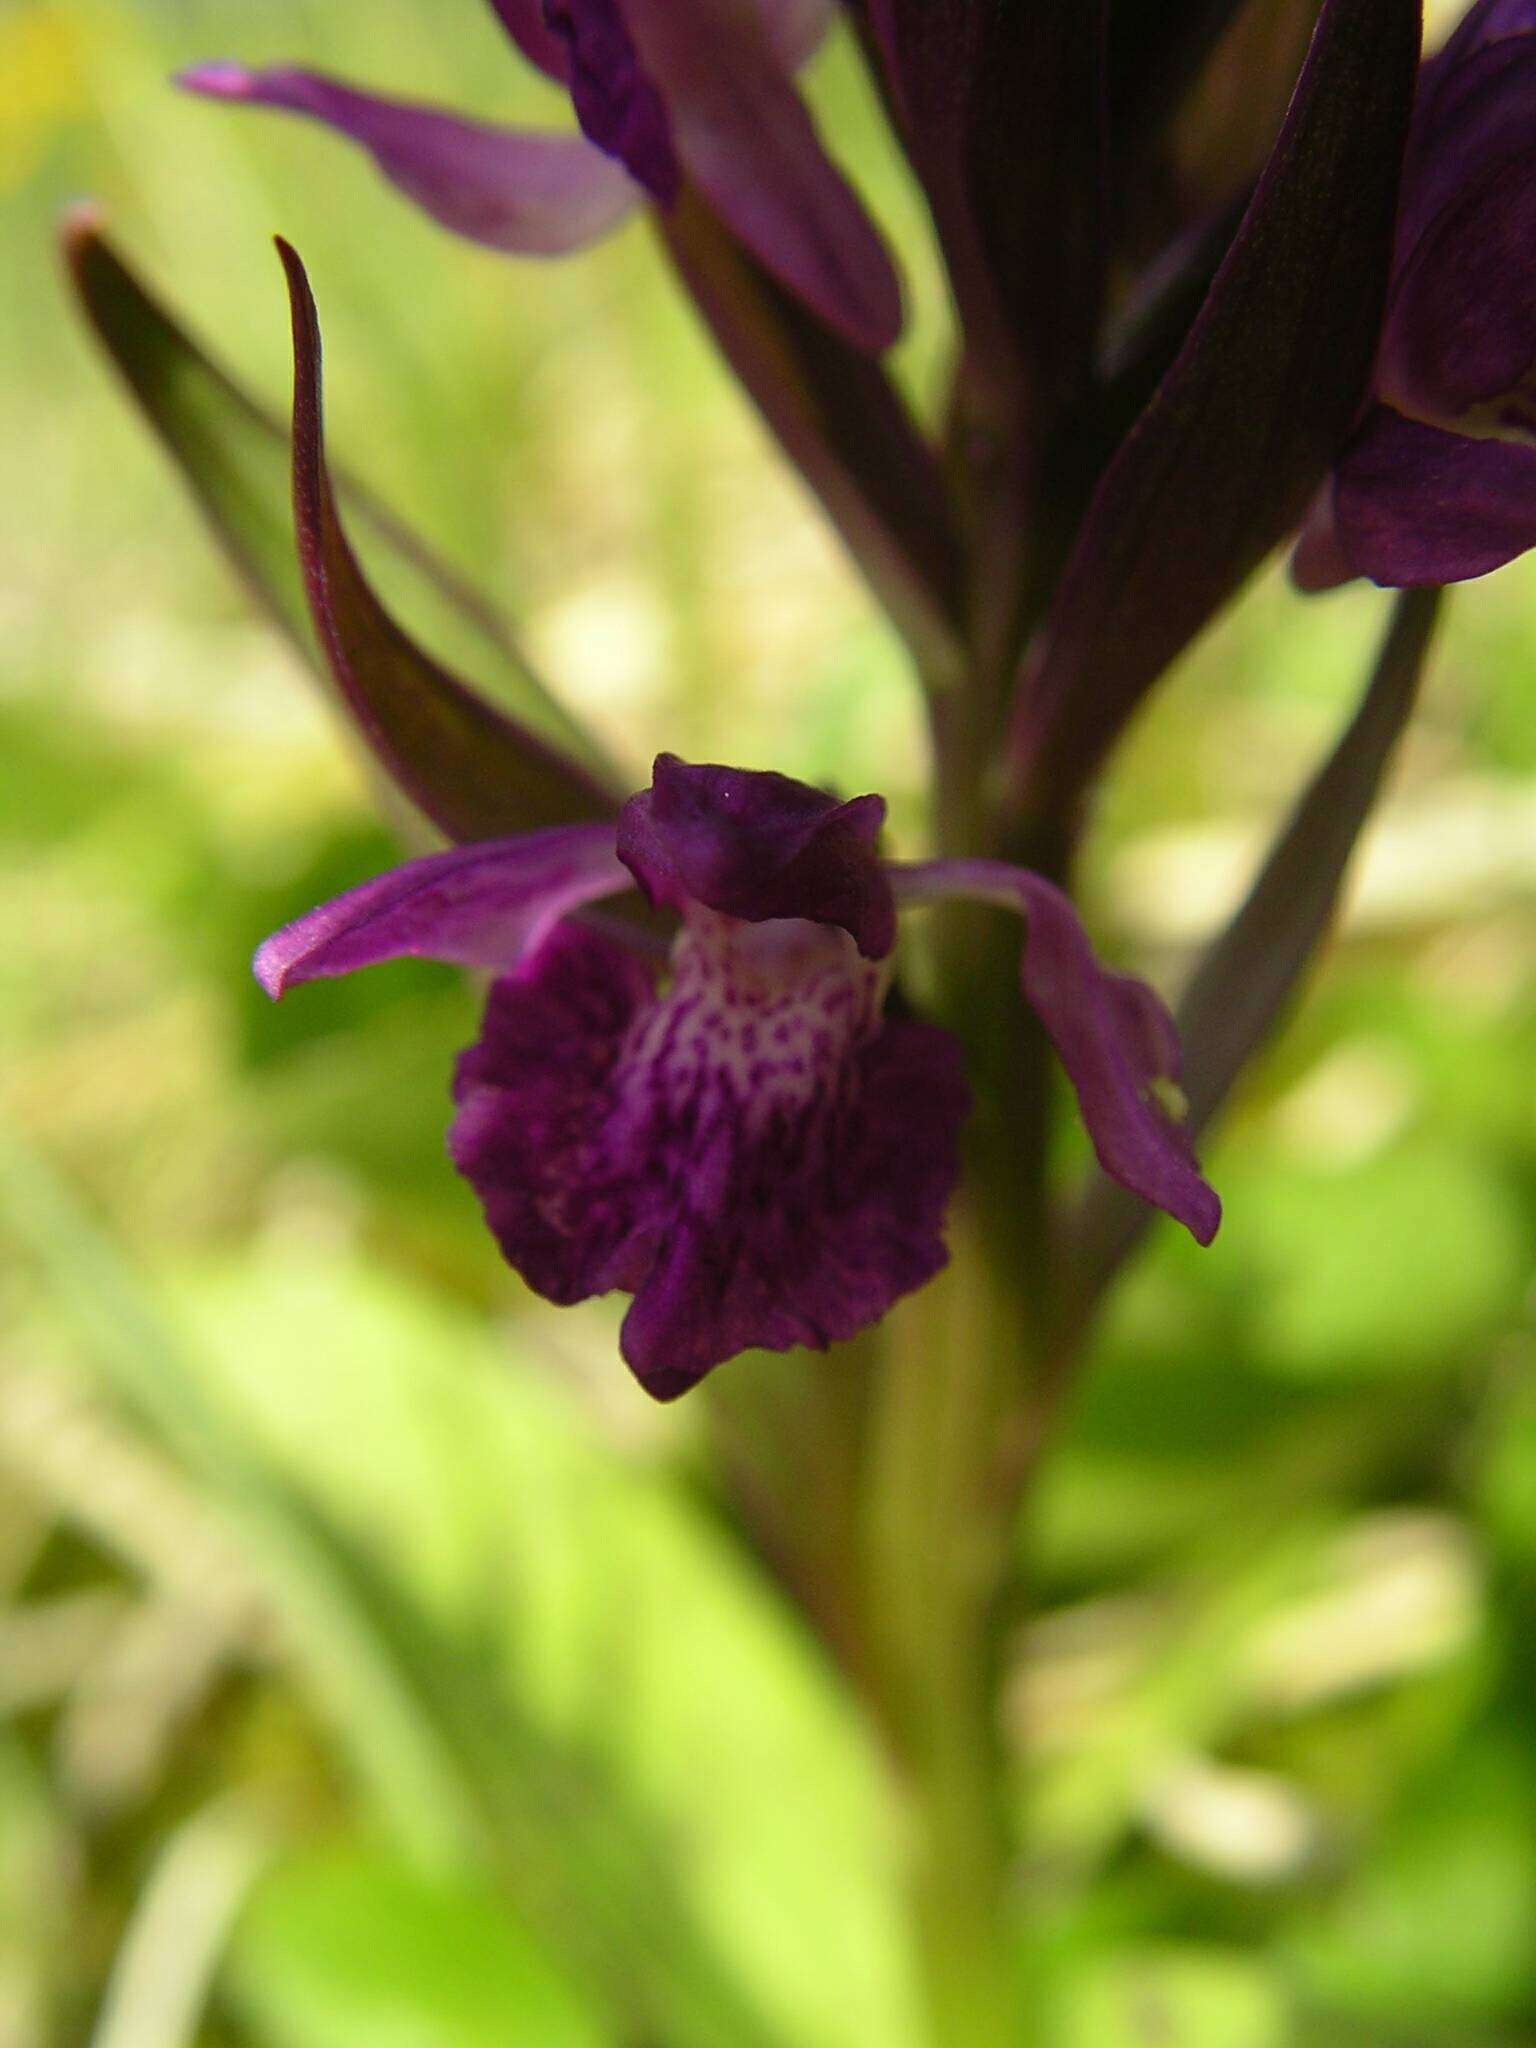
x: 43, y: 85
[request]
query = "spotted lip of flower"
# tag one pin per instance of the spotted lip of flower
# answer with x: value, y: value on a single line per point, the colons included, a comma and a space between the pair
x: 747, y: 1145
x: 1438, y: 482
x: 667, y: 93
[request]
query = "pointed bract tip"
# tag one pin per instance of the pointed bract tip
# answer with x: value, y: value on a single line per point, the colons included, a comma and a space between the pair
x: 82, y: 227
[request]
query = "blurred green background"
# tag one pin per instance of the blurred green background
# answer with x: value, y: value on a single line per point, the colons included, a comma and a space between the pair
x: 376, y: 1665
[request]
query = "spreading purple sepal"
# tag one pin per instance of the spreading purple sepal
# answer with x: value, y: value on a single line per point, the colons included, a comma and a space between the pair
x: 666, y: 92
x: 1411, y: 505
x: 755, y: 846
x: 483, y: 905
x: 1437, y: 481
x: 616, y: 99
x: 1460, y: 336
x: 1111, y: 1033
x: 755, y: 1155
x: 745, y: 139
x: 527, y: 193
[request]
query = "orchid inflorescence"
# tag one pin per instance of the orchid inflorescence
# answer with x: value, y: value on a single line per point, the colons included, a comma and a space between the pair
x: 713, y: 1100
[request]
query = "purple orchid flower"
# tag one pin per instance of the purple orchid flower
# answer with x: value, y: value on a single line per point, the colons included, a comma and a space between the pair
x: 669, y: 94
x: 1438, y: 482
x: 749, y: 1146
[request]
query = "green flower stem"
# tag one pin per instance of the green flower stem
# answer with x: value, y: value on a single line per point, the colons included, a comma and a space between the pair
x: 939, y: 1553
x: 963, y: 1361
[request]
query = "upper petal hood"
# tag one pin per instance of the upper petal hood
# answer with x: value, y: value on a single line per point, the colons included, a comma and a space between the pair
x: 756, y: 845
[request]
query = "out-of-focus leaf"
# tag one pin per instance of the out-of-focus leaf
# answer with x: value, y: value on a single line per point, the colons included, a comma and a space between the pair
x: 233, y: 455
x: 547, y: 1579
x: 1439, y: 1919
x: 141, y: 1360
x: 544, y: 1669
x: 164, y: 1967
x: 468, y: 1780
x: 1153, y: 53
x: 1247, y: 977
x: 460, y: 761
x: 349, y: 1945
x: 1177, y: 1997
x: 842, y: 423
x: 1222, y: 463
x: 1182, y: 1700
x: 1402, y: 1265
x: 1506, y: 1474
x: 1223, y: 130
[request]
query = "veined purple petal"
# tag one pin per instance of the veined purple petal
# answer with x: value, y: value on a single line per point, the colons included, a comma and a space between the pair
x: 755, y: 845
x: 531, y: 194
x: 1112, y: 1035
x: 483, y: 905
x: 1000, y: 109
x: 1487, y: 21
x: 753, y: 1155
x: 1416, y: 505
x: 744, y: 137
x: 616, y: 99
x: 1478, y: 116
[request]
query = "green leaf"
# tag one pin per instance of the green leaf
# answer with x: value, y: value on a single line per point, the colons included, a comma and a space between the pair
x: 543, y: 1670
x: 1177, y: 1996
x: 528, y: 764
x: 348, y: 1944
x: 1439, y: 1917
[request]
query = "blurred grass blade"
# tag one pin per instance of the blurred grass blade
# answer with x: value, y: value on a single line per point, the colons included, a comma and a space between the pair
x: 459, y: 760
x: 467, y: 1778
x: 595, y: 1876
x: 1248, y: 976
x: 233, y: 455
x: 140, y: 1359
x: 164, y: 1969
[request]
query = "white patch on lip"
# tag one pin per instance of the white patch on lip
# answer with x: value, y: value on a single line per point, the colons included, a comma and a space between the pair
x: 758, y: 1020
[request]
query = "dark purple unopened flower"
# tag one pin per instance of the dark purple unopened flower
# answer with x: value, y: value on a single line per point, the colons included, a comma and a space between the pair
x: 668, y: 93
x: 743, y: 1141
x: 1438, y: 482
